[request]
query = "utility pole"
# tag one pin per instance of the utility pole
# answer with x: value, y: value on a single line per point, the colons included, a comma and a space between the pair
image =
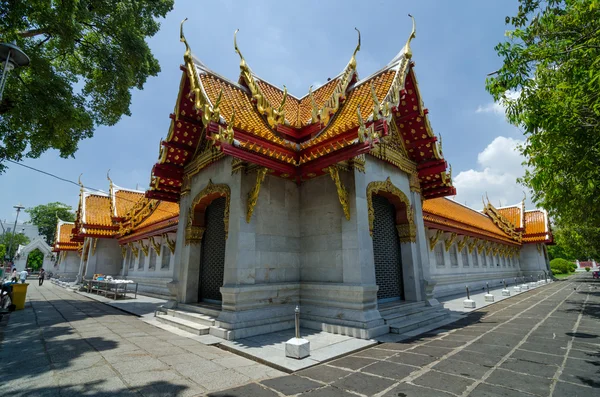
x: 18, y: 207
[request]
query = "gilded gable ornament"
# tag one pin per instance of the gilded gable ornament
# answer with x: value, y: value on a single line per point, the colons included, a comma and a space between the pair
x: 192, y: 233
x: 449, y: 241
x: 253, y: 194
x: 434, y: 239
x: 341, y: 190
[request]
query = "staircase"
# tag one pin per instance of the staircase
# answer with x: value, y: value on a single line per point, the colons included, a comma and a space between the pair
x: 405, y: 317
x: 190, y: 318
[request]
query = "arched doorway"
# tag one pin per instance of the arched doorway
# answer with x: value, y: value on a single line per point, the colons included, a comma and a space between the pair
x: 386, y: 251
x: 391, y: 224
x: 212, y: 261
x: 207, y: 228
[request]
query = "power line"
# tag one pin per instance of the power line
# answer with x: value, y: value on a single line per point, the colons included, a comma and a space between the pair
x: 76, y: 183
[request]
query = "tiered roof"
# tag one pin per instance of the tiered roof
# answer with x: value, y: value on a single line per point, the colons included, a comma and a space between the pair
x: 511, y: 224
x: 537, y: 228
x: 147, y: 218
x: 63, y: 240
x: 93, y: 216
x: 454, y: 217
x: 299, y: 138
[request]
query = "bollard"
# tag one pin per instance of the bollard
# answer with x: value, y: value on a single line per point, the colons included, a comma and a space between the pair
x: 468, y: 303
x: 488, y: 297
x: 505, y: 291
x: 297, y: 316
x: 297, y: 347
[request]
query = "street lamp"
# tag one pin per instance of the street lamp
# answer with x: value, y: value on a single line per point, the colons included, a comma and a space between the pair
x: 18, y: 207
x: 11, y: 57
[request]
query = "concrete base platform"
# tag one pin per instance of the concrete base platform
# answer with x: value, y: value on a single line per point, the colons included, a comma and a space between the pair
x: 269, y: 349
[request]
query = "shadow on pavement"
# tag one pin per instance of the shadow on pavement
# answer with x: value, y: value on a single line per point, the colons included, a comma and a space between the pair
x: 104, y: 388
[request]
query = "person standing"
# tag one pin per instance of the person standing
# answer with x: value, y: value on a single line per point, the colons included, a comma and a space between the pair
x: 41, y: 276
x: 23, y: 276
x: 13, y: 276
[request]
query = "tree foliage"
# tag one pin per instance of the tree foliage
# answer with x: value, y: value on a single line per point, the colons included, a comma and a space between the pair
x: 17, y: 239
x: 561, y: 266
x: 45, y: 217
x: 575, y: 242
x: 551, y: 60
x: 86, y: 56
x: 35, y: 260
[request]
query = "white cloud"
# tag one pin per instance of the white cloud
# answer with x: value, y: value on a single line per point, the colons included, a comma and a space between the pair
x: 499, y: 107
x: 499, y: 166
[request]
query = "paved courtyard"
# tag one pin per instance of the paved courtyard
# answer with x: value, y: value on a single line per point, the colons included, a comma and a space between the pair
x: 541, y: 343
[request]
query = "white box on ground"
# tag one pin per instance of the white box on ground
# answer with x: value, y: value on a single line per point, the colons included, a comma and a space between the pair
x: 525, y: 286
x: 532, y: 285
x: 297, y: 348
x: 517, y: 289
x: 489, y: 297
x: 505, y: 292
x: 469, y: 303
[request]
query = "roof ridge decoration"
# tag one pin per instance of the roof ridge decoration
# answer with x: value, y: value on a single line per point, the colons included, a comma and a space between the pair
x: 201, y: 102
x: 113, y: 207
x: 274, y: 116
x: 499, y: 220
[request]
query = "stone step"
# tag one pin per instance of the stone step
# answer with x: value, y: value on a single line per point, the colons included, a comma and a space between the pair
x: 415, y: 312
x: 206, y: 309
x: 197, y: 318
x: 184, y: 325
x: 418, y: 322
x: 389, y: 309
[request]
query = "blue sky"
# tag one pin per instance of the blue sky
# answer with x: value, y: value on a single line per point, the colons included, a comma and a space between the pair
x: 299, y: 44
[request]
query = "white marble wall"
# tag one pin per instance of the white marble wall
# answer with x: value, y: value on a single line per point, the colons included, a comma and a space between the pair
x: 475, y: 271
x: 151, y: 281
x: 69, y: 264
x: 533, y: 261
x: 106, y: 259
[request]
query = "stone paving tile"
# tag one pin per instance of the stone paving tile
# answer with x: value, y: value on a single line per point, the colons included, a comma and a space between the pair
x: 461, y: 368
x: 529, y: 367
x: 363, y: 383
x: 530, y: 384
x: 573, y: 390
x: 219, y: 380
x: 446, y: 382
x: 353, y: 363
x: 251, y: 389
x: 291, y: 384
x: 432, y: 351
x: 406, y: 390
x: 259, y: 372
x: 375, y: 353
x: 485, y: 390
x: 389, y: 370
x: 408, y: 358
x: 324, y: 373
x: 329, y: 391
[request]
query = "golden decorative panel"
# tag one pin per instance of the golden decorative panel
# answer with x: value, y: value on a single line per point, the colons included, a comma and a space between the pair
x: 448, y: 242
x: 341, y: 190
x: 253, y: 194
x: 433, y: 240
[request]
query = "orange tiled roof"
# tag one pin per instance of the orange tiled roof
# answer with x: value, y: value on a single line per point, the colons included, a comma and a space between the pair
x: 97, y: 211
x: 444, y: 211
x: 163, y: 211
x: 514, y: 214
x: 347, y: 118
x: 91, y: 231
x: 65, y: 231
x: 125, y: 200
x: 536, y: 227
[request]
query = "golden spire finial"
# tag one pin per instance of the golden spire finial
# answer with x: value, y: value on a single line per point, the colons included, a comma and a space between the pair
x: 187, y: 56
x: 524, y: 196
x: 79, y: 181
x: 285, y: 94
x: 108, y: 177
x: 406, y: 50
x: 243, y: 64
x: 488, y: 199
x: 358, y: 45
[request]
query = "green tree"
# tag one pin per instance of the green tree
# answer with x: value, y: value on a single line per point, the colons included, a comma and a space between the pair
x: 35, y: 259
x: 575, y: 242
x: 551, y: 59
x: 17, y: 239
x: 2, y: 252
x: 45, y: 218
x: 86, y: 57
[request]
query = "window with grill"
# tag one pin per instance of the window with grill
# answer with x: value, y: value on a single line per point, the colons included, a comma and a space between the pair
x: 465, y: 257
x: 166, y: 257
x: 475, y: 258
x: 453, y: 256
x: 142, y: 261
x: 152, y: 259
x: 439, y: 254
